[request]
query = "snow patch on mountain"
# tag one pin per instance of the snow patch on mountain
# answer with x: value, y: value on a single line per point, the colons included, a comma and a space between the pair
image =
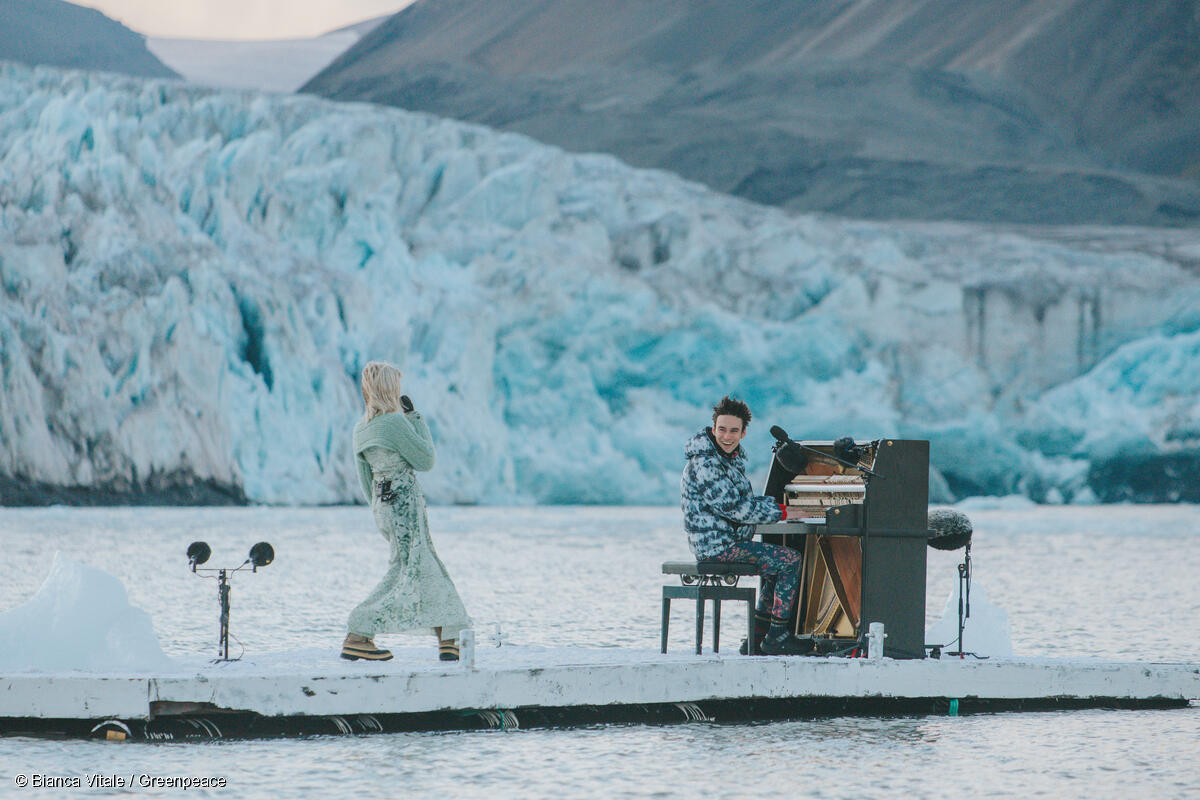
x: 271, y: 65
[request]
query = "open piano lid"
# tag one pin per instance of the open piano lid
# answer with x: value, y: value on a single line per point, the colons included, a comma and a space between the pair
x: 788, y: 461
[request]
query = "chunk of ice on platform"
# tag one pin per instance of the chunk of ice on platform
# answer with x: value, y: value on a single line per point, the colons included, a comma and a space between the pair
x: 80, y: 619
x: 985, y: 632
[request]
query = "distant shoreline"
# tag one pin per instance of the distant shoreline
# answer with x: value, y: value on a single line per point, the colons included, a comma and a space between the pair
x: 174, y: 489
x: 210, y: 494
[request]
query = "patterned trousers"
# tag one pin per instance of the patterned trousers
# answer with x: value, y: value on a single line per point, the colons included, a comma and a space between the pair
x: 778, y: 572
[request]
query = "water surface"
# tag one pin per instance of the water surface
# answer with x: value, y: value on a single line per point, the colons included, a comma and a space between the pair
x: 1108, y: 581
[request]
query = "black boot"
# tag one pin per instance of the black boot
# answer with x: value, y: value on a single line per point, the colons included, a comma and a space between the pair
x: 762, y: 624
x: 780, y: 642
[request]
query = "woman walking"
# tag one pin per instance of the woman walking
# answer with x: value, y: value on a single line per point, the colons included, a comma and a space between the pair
x: 392, y: 443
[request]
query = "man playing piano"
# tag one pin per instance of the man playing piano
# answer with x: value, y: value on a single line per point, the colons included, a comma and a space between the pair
x: 720, y: 511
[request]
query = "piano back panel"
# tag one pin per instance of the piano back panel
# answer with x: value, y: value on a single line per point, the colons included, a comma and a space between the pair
x: 894, y: 547
x: 900, y: 499
x: 894, y: 593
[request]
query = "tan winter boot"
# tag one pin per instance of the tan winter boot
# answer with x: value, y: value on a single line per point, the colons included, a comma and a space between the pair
x: 355, y: 647
x: 447, y: 648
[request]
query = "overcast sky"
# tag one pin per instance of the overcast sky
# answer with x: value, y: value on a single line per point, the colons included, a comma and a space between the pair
x: 241, y: 19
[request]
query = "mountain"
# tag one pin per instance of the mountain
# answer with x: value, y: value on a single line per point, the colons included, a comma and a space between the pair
x: 192, y: 279
x: 273, y: 65
x: 1027, y: 111
x: 63, y: 34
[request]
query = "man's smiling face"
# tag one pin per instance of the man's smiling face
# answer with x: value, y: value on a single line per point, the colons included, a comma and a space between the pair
x: 729, y: 431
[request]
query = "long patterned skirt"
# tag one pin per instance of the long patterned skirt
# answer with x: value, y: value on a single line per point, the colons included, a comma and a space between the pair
x: 416, y: 592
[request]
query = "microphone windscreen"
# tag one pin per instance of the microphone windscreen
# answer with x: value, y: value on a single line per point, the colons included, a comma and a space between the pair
x: 792, y: 458
x: 198, y: 552
x: 845, y: 449
x: 780, y: 434
x: 948, y: 529
x: 262, y: 554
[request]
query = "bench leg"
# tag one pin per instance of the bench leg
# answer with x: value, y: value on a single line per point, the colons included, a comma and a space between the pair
x: 666, y: 621
x: 751, y: 650
x: 699, y: 621
x: 716, y: 624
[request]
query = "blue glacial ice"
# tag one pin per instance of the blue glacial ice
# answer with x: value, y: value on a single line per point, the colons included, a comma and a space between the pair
x: 191, y: 280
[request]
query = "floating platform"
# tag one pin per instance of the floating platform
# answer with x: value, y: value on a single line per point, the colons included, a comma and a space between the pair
x: 314, y: 692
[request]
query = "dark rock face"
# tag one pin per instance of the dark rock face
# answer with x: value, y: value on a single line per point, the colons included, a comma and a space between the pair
x: 1054, y: 111
x: 63, y: 34
x: 1151, y: 478
x: 176, y: 488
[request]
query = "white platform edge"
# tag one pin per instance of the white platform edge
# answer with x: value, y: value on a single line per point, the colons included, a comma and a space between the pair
x: 670, y: 680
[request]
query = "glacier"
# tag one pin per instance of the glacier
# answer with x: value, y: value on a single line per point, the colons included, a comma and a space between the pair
x: 192, y: 278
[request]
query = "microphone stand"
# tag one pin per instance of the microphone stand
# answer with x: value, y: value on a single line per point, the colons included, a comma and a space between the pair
x: 223, y: 598
x: 964, y: 596
x: 223, y: 587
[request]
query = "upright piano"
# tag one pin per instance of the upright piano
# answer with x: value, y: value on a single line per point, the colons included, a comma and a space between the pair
x: 862, y: 537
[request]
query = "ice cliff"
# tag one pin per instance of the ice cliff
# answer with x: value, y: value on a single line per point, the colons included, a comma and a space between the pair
x: 191, y: 279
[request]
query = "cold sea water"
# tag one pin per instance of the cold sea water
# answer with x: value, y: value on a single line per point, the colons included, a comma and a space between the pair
x: 1115, y: 582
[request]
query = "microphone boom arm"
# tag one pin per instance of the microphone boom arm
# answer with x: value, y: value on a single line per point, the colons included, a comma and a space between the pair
x: 788, y: 440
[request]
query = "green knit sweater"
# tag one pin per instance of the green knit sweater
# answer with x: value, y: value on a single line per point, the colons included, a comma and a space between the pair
x: 407, y: 434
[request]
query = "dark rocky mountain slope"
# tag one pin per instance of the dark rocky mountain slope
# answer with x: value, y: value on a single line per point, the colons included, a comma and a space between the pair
x: 1027, y: 111
x: 63, y: 34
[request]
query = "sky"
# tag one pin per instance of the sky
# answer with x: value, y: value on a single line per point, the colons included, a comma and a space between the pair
x: 241, y: 19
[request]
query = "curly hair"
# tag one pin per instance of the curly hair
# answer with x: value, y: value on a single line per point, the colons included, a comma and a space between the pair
x: 734, y: 408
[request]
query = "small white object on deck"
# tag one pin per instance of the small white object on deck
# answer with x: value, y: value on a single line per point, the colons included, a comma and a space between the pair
x: 875, y: 637
x: 466, y: 648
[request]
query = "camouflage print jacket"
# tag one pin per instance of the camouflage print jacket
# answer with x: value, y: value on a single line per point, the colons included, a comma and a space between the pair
x: 719, y: 507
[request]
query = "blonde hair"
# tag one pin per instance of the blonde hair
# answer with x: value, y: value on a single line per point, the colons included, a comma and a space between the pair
x: 380, y: 388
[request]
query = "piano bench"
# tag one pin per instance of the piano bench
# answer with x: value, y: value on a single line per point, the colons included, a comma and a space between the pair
x: 708, y: 580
